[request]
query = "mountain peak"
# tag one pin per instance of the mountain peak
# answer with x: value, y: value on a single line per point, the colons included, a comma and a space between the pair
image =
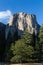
x: 21, y: 21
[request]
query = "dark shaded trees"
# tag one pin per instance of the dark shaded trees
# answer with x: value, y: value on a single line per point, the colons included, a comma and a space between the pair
x: 8, y: 52
x: 2, y: 41
x: 41, y: 42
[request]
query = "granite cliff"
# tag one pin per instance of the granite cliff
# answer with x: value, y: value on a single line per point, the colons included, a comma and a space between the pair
x: 20, y: 22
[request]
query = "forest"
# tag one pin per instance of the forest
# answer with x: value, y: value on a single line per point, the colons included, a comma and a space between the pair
x: 24, y: 49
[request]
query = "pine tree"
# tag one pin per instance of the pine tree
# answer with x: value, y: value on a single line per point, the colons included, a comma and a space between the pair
x: 21, y: 52
x: 27, y: 37
x: 22, y: 49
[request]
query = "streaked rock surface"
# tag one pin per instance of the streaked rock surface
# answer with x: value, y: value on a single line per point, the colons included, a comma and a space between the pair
x: 20, y: 22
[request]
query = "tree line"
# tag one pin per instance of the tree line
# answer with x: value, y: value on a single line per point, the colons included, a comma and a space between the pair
x: 28, y: 48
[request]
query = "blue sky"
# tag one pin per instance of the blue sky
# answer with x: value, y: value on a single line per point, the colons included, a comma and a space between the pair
x: 28, y: 6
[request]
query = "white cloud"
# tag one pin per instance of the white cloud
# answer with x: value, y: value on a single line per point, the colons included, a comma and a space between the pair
x: 5, y: 14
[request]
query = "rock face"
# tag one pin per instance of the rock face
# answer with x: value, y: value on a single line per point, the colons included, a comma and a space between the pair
x: 20, y: 22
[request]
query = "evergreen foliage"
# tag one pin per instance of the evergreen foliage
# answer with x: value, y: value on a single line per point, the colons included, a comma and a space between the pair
x: 28, y: 48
